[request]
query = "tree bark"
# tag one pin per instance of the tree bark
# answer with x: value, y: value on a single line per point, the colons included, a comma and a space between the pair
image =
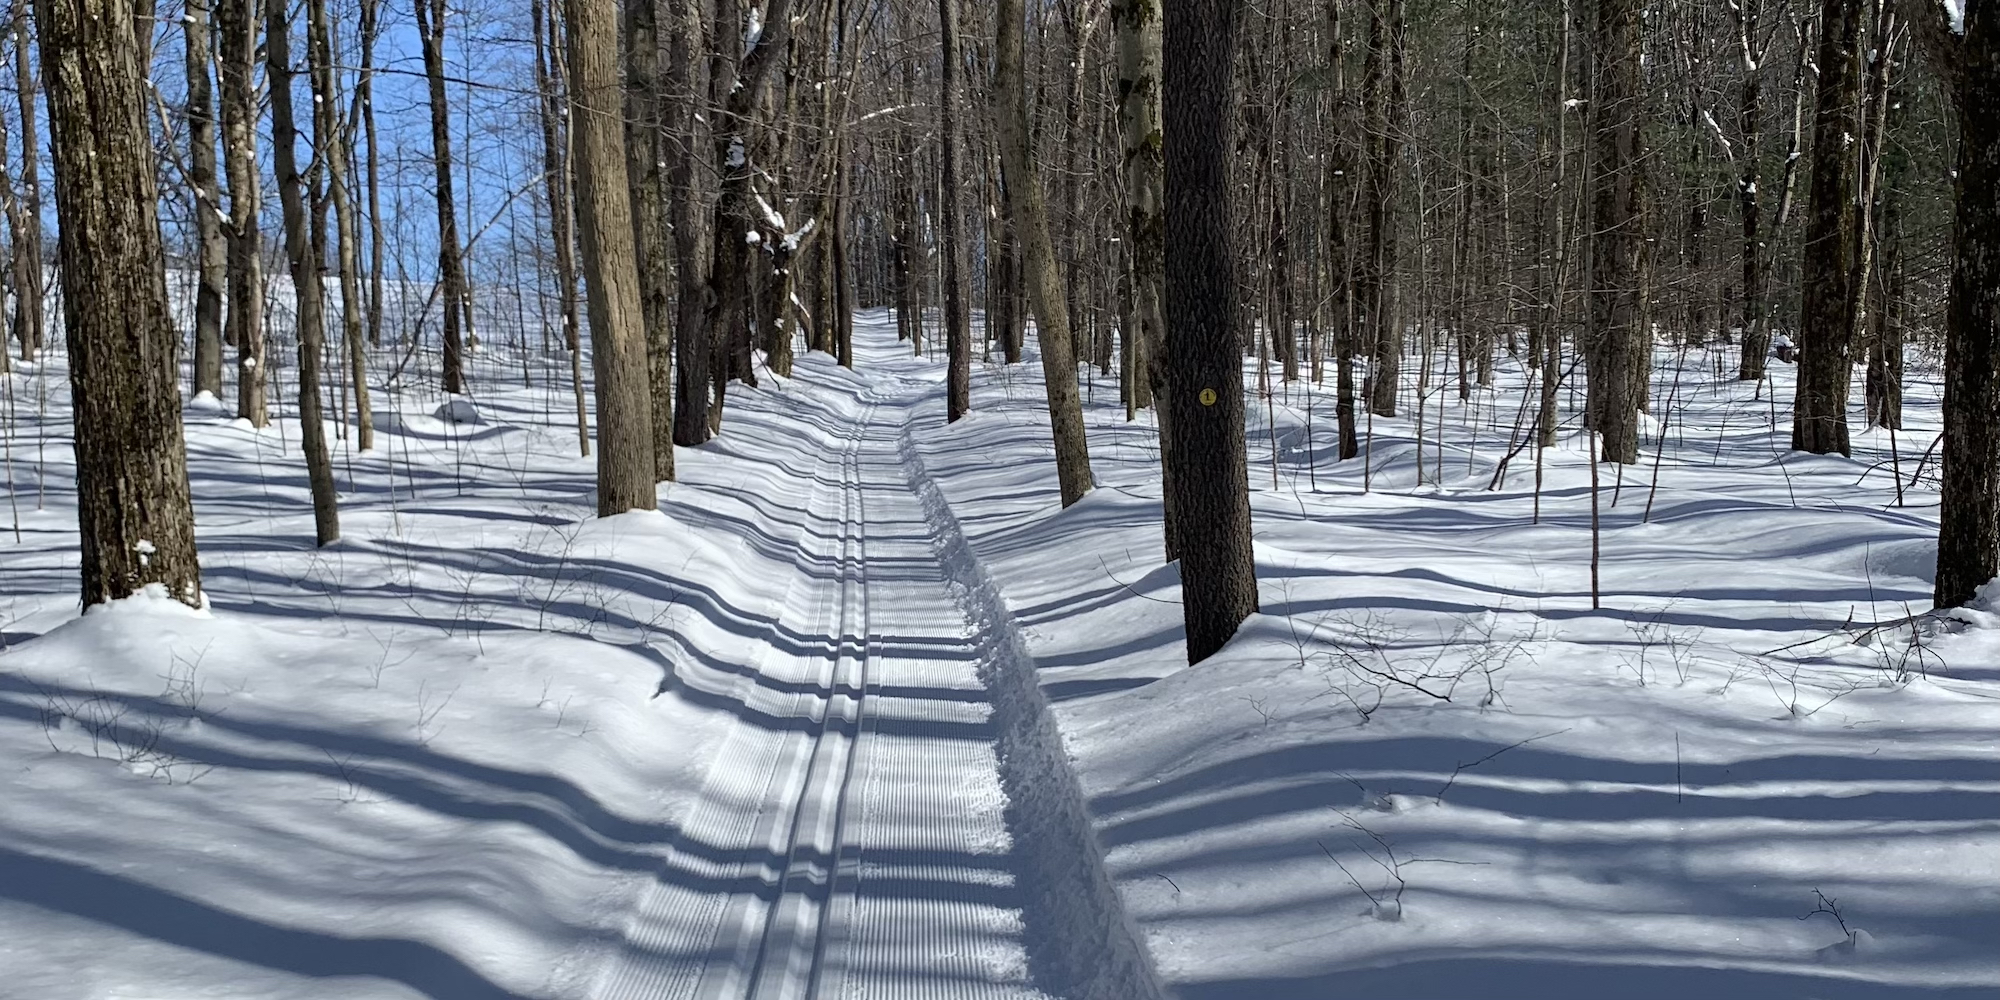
x: 1139, y: 27
x: 646, y: 153
x: 625, y: 467
x: 957, y: 290
x: 1969, y: 518
x: 1337, y: 251
x: 1828, y: 319
x: 1205, y: 391
x: 364, y: 101
x: 1617, y: 338
x: 308, y: 291
x: 1750, y: 126
x: 1028, y: 205
x: 212, y: 270
x: 556, y: 178
x: 1382, y: 92
x: 236, y: 22
x: 134, y: 514
x: 694, y: 347
x: 337, y: 148
x: 457, y: 303
x: 29, y: 282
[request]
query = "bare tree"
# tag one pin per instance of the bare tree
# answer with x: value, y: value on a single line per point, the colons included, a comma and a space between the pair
x: 212, y: 271
x: 625, y: 470
x: 1969, y: 520
x: 308, y: 291
x: 646, y: 152
x: 134, y: 513
x: 951, y: 225
x: 451, y: 263
x: 1205, y: 387
x: 1618, y: 244
x: 236, y: 27
x: 1828, y: 320
x: 1028, y: 205
x: 24, y: 219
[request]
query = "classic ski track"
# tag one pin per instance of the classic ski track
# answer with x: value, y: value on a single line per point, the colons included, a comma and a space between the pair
x: 766, y: 893
x: 680, y: 941
x: 793, y: 951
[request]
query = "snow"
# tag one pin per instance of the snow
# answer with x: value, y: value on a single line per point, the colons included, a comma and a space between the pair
x: 457, y: 410
x: 1955, y: 10
x: 1633, y: 802
x: 494, y: 746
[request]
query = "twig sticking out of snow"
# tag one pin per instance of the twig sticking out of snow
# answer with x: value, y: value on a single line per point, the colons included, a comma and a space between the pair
x: 1463, y: 767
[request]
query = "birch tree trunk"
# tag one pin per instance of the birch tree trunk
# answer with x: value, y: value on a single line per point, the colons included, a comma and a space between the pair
x: 134, y: 514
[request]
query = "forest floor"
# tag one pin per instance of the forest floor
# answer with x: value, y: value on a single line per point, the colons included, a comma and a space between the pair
x: 797, y: 734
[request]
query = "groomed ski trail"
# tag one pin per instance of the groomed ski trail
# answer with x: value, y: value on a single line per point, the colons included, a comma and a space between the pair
x: 856, y: 838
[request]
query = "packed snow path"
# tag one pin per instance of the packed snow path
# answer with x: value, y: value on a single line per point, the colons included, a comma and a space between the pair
x: 855, y: 842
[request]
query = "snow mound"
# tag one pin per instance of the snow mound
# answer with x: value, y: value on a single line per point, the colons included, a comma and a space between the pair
x: 458, y: 411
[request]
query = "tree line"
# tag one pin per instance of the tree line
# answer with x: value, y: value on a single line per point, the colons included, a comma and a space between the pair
x: 1341, y: 190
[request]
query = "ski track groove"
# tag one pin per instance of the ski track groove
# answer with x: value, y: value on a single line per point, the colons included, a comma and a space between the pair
x: 918, y: 863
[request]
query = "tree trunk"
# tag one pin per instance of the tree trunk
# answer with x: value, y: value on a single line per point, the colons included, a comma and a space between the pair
x: 134, y: 514
x: 308, y: 290
x: 1337, y: 252
x: 1969, y: 519
x: 1617, y: 337
x: 1028, y: 205
x: 328, y: 122
x: 1828, y: 320
x: 29, y: 282
x: 694, y: 346
x: 1889, y: 297
x: 611, y: 269
x: 562, y: 208
x: 364, y: 91
x: 1205, y: 392
x: 1750, y: 124
x: 1382, y: 90
x: 1139, y: 30
x: 212, y: 274
x: 957, y: 290
x: 646, y: 153
x: 451, y: 271
x: 236, y: 21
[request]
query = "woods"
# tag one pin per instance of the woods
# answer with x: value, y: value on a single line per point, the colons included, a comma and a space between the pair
x: 1417, y: 196
x: 1007, y: 500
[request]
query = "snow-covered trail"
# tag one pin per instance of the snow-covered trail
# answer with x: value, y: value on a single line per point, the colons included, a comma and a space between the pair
x: 781, y: 739
x: 856, y: 816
